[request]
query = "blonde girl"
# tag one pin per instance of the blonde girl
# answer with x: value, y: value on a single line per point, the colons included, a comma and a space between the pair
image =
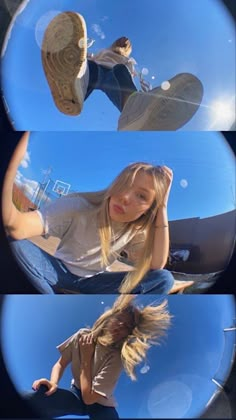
x: 128, y: 218
x: 119, y: 339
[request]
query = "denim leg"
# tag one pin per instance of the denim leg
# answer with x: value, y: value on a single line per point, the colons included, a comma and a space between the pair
x: 63, y: 402
x: 93, y: 77
x: 118, y: 85
x: 101, y: 283
x: 116, y: 82
x: 45, y: 272
x: 155, y: 281
x: 125, y: 81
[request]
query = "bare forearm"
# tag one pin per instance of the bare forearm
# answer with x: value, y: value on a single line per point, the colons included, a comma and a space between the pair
x: 10, y: 214
x: 161, y: 239
x: 86, y: 378
x: 57, y: 372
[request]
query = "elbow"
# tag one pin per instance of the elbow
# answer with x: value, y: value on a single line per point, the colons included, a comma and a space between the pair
x: 87, y: 400
x: 90, y: 398
x: 14, y: 234
x: 158, y: 266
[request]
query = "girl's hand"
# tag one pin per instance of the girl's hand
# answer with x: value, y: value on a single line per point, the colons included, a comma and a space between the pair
x: 169, y: 177
x: 52, y: 387
x: 87, y: 346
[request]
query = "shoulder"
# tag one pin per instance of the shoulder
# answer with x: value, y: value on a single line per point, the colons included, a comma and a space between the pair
x: 72, y: 341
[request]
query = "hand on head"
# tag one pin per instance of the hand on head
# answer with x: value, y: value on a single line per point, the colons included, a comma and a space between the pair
x: 169, y: 177
x: 87, y: 346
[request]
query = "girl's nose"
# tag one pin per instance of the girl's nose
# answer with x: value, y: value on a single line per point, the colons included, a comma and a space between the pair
x: 125, y: 198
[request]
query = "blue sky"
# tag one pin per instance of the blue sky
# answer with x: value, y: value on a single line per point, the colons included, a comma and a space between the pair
x: 177, y: 378
x: 168, y: 37
x: 202, y: 162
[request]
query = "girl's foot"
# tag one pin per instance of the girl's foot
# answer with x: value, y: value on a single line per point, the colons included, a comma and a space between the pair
x: 64, y: 59
x: 163, y: 109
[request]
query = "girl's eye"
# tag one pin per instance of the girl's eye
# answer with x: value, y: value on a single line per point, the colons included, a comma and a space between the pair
x: 141, y: 196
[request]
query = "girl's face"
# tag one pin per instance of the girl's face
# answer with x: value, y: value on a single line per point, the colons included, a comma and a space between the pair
x: 132, y: 203
x: 120, y: 326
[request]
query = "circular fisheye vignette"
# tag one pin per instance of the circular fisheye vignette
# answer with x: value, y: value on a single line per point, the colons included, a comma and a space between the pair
x: 13, y: 394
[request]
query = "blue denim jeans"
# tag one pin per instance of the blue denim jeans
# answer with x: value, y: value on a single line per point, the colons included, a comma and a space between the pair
x: 49, y: 275
x: 67, y: 402
x: 116, y: 83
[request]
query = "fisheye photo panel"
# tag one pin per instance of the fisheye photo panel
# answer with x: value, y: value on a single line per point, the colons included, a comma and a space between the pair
x: 146, y: 356
x: 143, y: 213
x: 75, y: 68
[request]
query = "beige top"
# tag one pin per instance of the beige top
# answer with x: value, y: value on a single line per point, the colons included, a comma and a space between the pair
x: 109, y: 58
x: 106, y: 368
x: 73, y: 219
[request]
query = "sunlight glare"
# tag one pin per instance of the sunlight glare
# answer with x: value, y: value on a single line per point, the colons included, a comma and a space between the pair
x: 223, y: 113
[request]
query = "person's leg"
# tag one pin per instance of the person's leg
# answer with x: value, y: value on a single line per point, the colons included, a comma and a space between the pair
x: 45, y: 272
x: 100, y: 412
x: 93, y: 77
x: 63, y: 402
x: 117, y: 84
x: 155, y: 281
x: 125, y: 81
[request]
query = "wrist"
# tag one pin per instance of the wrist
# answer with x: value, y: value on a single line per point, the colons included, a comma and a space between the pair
x: 85, y: 361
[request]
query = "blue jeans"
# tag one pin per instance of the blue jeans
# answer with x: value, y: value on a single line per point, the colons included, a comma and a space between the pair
x: 116, y: 83
x: 49, y: 275
x: 67, y: 402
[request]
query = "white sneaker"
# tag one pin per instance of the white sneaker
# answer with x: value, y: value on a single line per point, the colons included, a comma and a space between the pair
x: 64, y: 59
x: 163, y: 108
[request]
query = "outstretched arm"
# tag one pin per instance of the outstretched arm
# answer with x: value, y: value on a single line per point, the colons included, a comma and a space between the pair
x: 161, y: 238
x: 56, y: 374
x: 19, y: 225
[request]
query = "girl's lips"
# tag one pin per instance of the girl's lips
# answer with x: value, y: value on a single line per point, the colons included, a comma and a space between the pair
x: 118, y: 209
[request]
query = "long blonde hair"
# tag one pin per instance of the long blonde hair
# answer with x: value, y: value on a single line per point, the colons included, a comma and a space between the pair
x: 145, y: 223
x: 122, y: 46
x: 151, y: 324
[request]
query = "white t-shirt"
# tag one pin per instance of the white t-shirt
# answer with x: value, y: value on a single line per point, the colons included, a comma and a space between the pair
x: 74, y: 220
x: 106, y: 368
x: 109, y: 58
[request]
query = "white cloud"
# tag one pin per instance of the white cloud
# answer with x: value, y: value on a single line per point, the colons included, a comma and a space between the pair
x: 25, y: 161
x: 98, y: 30
x: 28, y: 185
x: 30, y: 188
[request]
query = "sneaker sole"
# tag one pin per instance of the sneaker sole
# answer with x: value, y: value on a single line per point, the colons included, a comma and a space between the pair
x: 170, y: 109
x: 64, y: 51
